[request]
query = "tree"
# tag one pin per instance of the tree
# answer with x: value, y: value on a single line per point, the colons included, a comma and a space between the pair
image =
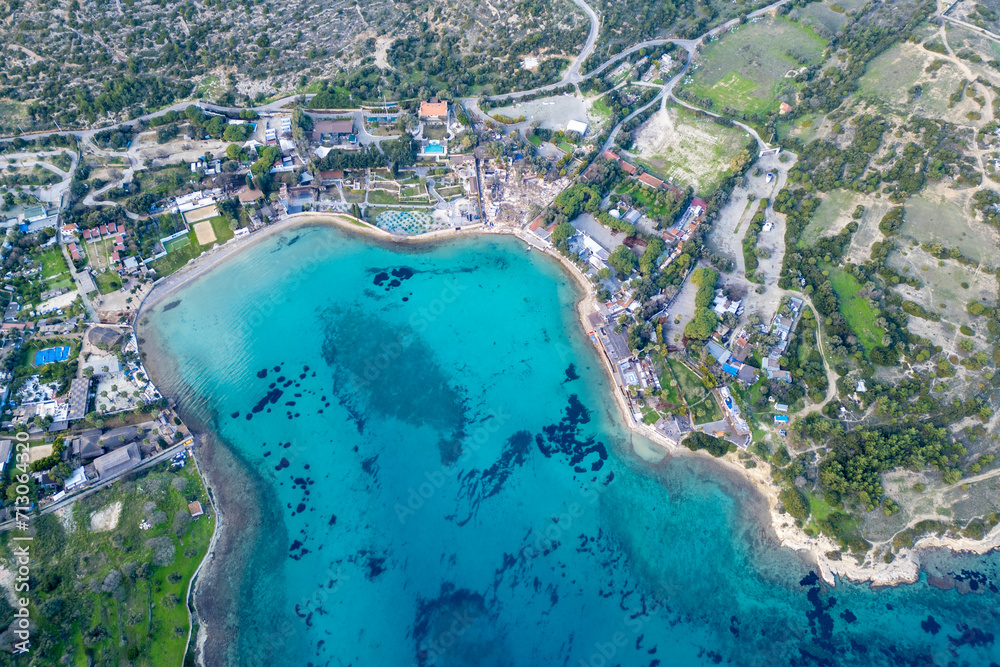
x: 702, y: 325
x: 623, y: 261
x: 302, y: 124
x: 650, y: 258
x: 562, y: 232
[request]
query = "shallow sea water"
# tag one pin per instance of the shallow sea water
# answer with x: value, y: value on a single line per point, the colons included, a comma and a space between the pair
x: 444, y: 481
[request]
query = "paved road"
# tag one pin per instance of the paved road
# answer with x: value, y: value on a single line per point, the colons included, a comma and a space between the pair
x: 95, y: 487
x: 263, y: 109
x: 572, y: 75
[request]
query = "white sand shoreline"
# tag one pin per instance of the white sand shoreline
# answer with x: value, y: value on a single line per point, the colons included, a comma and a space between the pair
x: 905, y: 568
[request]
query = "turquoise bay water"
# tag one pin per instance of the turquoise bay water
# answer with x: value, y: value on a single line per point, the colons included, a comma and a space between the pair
x: 443, y: 481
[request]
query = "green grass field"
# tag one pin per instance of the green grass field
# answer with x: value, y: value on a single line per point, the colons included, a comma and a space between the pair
x: 831, y: 14
x: 746, y: 69
x: 178, y: 243
x: 102, y: 599
x: 600, y: 108
x: 706, y: 411
x: 691, y: 387
x: 53, y: 263
x: 890, y: 76
x: 834, y: 213
x: 107, y: 282
x: 178, y: 256
x: 859, y: 313
x: 381, y: 197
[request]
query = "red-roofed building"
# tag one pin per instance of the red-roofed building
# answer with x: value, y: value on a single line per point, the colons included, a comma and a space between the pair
x: 112, y: 227
x: 70, y: 229
x: 698, y: 201
x: 629, y: 169
x: 609, y: 155
x: 434, y: 110
x: 651, y: 181
x: 103, y: 230
x: 114, y: 256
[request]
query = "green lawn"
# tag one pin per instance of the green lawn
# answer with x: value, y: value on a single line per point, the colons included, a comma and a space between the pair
x: 180, y: 255
x: 820, y: 509
x: 178, y: 243
x: 565, y: 146
x: 382, y: 197
x: 53, y: 263
x: 108, y: 281
x: 600, y: 108
x: 859, y: 313
x: 833, y: 209
x: 535, y: 141
x: 690, y: 384
x: 706, y: 411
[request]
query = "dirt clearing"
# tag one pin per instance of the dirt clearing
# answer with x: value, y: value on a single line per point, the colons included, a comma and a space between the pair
x: 687, y: 149
x: 106, y: 519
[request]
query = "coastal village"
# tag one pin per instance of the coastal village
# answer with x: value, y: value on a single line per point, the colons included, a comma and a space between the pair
x: 710, y: 343
x: 80, y: 256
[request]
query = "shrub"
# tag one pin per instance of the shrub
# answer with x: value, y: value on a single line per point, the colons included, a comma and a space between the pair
x: 795, y: 502
x: 715, y: 446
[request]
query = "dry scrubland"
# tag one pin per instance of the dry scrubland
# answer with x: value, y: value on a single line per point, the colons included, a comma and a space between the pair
x: 687, y: 149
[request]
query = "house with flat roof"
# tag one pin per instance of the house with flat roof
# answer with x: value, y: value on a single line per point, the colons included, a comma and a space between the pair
x: 76, y: 480
x: 332, y: 129
x: 79, y: 389
x: 34, y: 213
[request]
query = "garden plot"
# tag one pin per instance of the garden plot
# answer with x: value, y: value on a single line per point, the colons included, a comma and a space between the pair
x: 747, y: 69
x: 947, y: 285
x: 944, y: 221
x: 687, y: 149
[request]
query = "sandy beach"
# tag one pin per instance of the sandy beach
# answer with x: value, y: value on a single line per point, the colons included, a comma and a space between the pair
x: 209, y: 589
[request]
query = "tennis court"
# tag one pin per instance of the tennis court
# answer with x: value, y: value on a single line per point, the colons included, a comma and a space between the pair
x: 51, y: 354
